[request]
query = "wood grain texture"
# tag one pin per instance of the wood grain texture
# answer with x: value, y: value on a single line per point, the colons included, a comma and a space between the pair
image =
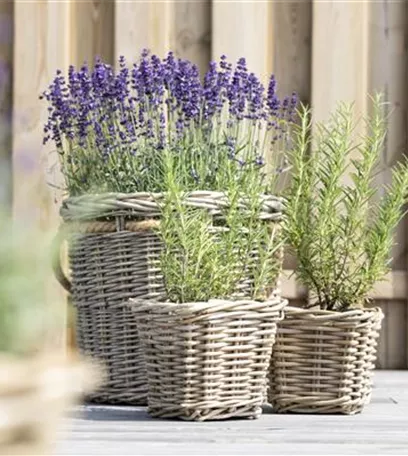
x: 388, y: 74
x: 388, y: 57
x: 292, y: 30
x: 192, y: 24
x: 339, y: 55
x: 396, y: 349
x: 41, y: 46
x: 244, y: 29
x: 143, y: 25
x: 92, y: 31
x: 181, y: 26
x: 6, y: 76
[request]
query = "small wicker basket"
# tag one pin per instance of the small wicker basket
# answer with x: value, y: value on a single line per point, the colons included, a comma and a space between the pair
x: 207, y: 360
x: 34, y: 393
x: 114, y: 255
x: 323, y: 361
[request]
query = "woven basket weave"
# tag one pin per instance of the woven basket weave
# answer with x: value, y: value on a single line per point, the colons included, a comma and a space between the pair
x: 207, y: 360
x: 34, y: 393
x: 323, y: 361
x: 114, y: 255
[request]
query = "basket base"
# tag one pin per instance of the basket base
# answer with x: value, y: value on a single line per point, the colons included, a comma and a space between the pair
x: 343, y: 405
x: 206, y: 414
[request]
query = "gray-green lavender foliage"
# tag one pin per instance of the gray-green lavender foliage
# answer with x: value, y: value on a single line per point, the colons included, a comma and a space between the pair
x: 339, y: 224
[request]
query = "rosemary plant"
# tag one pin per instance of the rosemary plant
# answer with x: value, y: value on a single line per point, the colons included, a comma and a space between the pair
x: 339, y: 225
x: 201, y: 259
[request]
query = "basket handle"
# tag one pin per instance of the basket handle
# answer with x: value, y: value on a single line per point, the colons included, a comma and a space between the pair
x: 56, y: 262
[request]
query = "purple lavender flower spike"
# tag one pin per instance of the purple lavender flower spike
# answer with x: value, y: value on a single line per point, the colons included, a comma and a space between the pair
x: 272, y: 100
x: 156, y: 104
x: 255, y: 97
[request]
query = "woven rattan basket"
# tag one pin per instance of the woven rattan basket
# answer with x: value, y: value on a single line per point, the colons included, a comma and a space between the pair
x: 114, y: 255
x: 34, y: 393
x: 207, y: 360
x: 323, y: 361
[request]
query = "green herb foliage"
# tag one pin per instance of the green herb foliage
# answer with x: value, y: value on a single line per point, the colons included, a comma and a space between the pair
x: 201, y: 259
x: 337, y: 223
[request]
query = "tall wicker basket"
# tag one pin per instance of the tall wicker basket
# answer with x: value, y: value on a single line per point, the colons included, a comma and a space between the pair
x: 207, y: 360
x: 114, y: 255
x: 323, y: 361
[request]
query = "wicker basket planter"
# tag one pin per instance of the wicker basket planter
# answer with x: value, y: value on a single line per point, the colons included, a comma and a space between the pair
x: 114, y: 255
x: 207, y: 360
x: 34, y: 393
x: 323, y: 361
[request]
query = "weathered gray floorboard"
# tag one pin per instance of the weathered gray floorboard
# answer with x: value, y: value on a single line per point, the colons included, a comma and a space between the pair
x: 381, y: 429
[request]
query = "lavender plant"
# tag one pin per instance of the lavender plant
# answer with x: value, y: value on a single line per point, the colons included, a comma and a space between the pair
x: 111, y: 128
x: 156, y: 127
x: 337, y: 224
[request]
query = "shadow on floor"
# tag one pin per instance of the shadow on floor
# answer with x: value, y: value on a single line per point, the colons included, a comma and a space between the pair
x: 97, y: 412
x: 91, y: 412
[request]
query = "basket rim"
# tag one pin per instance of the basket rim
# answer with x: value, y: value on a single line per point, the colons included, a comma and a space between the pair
x: 319, y: 315
x: 146, y: 204
x: 140, y: 306
x: 149, y: 195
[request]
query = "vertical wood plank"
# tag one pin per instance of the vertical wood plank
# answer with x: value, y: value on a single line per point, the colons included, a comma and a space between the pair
x: 41, y: 46
x: 388, y: 56
x: 292, y: 29
x: 396, y: 335
x: 6, y: 74
x: 140, y: 25
x: 181, y: 26
x: 244, y: 29
x: 392, y: 350
x: 339, y: 55
x: 339, y: 58
x: 92, y: 31
x: 388, y: 74
x: 406, y: 222
x: 193, y: 31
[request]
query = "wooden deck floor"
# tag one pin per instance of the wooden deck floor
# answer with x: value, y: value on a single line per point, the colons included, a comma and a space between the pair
x: 381, y: 429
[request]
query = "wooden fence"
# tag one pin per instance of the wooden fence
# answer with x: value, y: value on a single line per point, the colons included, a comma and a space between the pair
x: 324, y: 50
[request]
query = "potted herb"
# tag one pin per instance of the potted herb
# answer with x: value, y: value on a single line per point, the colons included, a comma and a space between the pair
x: 115, y: 133
x: 341, y: 231
x: 36, y: 383
x: 208, y: 350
